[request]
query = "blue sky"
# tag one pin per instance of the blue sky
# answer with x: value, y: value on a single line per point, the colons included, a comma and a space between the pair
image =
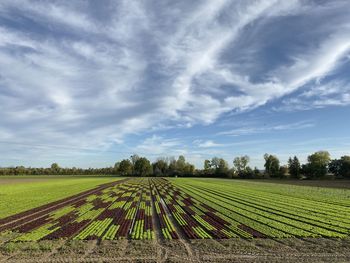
x: 85, y: 83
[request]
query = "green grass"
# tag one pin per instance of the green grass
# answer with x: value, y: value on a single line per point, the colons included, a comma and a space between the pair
x: 18, y: 195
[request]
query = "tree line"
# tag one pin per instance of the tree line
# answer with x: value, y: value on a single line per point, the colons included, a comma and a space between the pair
x: 319, y: 165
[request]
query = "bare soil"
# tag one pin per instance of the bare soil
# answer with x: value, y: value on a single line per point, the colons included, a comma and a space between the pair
x: 231, y: 250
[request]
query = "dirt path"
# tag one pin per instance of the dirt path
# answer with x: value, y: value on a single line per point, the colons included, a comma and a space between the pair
x: 161, y: 253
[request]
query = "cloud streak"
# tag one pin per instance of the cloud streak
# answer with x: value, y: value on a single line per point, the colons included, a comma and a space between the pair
x: 90, y: 76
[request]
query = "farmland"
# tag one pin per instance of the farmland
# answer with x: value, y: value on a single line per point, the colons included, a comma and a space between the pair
x: 19, y: 193
x: 186, y: 211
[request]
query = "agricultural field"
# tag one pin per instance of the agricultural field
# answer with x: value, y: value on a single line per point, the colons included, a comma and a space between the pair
x: 189, y: 213
x: 19, y: 193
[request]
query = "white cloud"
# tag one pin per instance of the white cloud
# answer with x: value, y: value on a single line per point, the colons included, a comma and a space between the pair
x: 207, y: 144
x: 157, y: 145
x: 333, y: 93
x: 268, y: 129
x: 69, y: 76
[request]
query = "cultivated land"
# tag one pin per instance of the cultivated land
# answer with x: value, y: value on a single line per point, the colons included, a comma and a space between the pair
x: 19, y: 193
x: 156, y: 219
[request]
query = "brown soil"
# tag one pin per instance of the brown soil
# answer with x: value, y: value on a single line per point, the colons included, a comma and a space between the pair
x: 231, y: 250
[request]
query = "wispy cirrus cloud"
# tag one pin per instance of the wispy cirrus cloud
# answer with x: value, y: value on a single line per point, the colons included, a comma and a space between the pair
x: 332, y: 93
x: 207, y: 144
x: 267, y: 129
x: 90, y: 75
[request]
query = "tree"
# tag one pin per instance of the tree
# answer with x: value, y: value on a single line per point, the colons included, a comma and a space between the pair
x: 283, y: 172
x: 215, y: 162
x: 160, y: 167
x: 340, y: 167
x: 125, y: 167
x: 272, y: 165
x: 345, y: 166
x: 181, y: 164
x: 219, y: 166
x: 223, y: 167
x: 317, y: 165
x: 55, y: 169
x: 189, y: 169
x: 257, y: 173
x: 207, y: 167
x: 116, y: 167
x: 240, y: 165
x: 133, y: 159
x: 335, y: 167
x: 294, y: 167
x: 142, y: 167
x: 172, y: 167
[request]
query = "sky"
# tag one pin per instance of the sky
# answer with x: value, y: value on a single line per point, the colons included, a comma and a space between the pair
x: 87, y: 83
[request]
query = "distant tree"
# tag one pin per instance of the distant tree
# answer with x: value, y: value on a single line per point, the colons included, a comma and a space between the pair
x: 317, y: 165
x: 125, y: 167
x: 257, y: 173
x: 180, y: 167
x: 219, y: 166
x: 189, y: 169
x: 240, y: 165
x: 294, y: 167
x: 181, y: 164
x: 223, y: 167
x: 116, y: 167
x: 345, y: 166
x: 215, y: 162
x: 133, y: 159
x: 143, y: 167
x: 172, y: 170
x: 340, y: 167
x: 272, y: 165
x: 160, y: 167
x: 283, y: 172
x: 55, y: 169
x: 207, y: 167
x: 19, y: 170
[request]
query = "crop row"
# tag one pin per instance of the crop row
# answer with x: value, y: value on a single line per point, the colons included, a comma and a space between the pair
x: 194, y: 209
x: 261, y: 216
x: 106, y: 214
x: 196, y: 219
x: 69, y: 220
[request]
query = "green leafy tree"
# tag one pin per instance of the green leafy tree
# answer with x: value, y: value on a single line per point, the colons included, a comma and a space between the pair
x: 55, y: 168
x: 294, y: 167
x: 317, y: 165
x: 125, y: 167
x: 207, y: 167
x: 340, y: 167
x: 181, y: 164
x: 257, y: 173
x: 240, y: 165
x: 283, y: 172
x: 219, y: 166
x: 223, y: 167
x: 133, y: 159
x: 160, y: 167
x: 272, y: 165
x: 116, y: 168
x: 345, y: 166
x: 143, y: 167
